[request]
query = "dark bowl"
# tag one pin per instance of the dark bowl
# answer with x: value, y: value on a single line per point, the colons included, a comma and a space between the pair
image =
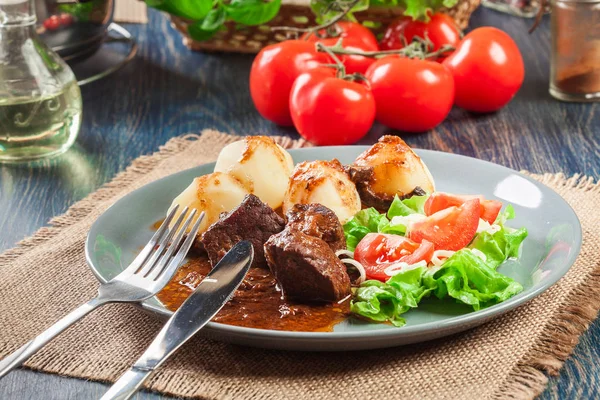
x: 75, y: 30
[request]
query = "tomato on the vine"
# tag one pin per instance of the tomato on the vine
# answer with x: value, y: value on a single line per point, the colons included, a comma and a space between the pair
x: 440, y: 30
x: 348, y: 31
x: 273, y: 72
x: 354, y: 63
x: 378, y: 251
x: 410, y: 94
x: 488, y: 70
x: 327, y: 110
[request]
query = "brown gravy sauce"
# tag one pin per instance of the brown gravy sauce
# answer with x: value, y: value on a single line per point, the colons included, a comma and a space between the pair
x: 258, y: 302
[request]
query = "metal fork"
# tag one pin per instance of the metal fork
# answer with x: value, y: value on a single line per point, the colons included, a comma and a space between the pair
x: 149, y: 272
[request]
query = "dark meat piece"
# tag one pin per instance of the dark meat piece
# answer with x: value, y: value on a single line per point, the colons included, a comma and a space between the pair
x: 318, y: 221
x: 361, y: 176
x: 306, y: 267
x: 252, y: 220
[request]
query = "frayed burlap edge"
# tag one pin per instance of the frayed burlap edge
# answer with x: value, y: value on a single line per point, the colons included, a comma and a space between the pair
x: 561, y: 334
x: 527, y: 380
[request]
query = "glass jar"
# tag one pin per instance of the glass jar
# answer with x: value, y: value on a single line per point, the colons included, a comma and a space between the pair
x: 40, y: 102
x: 575, y: 60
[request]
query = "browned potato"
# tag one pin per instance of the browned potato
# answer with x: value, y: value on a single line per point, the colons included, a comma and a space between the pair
x: 326, y: 183
x: 397, y: 170
x: 260, y: 164
x: 213, y: 193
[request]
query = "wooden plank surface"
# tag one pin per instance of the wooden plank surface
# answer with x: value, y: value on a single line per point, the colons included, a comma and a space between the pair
x: 168, y: 91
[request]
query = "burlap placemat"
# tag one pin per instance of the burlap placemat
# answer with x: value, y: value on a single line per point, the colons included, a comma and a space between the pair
x: 46, y: 276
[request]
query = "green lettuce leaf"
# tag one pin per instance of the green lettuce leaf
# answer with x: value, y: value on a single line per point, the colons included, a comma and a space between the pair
x: 365, y: 221
x: 386, y: 302
x: 402, y: 208
x: 468, y: 279
x: 499, y: 246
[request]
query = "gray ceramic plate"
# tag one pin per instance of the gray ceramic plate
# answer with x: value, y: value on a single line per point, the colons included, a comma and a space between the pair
x: 551, y: 248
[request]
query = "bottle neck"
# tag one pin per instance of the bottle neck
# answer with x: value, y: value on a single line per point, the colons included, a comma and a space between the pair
x: 16, y: 13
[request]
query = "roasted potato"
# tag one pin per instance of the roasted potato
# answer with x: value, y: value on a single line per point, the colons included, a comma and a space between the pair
x: 326, y: 183
x: 261, y: 165
x: 397, y: 170
x: 214, y: 193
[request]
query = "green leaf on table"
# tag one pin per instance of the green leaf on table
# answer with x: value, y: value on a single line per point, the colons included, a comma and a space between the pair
x: 191, y: 9
x: 252, y: 12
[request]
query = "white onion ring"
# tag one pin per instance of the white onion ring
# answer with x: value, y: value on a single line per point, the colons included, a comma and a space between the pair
x: 359, y: 268
x: 436, y: 260
x: 351, y: 261
x: 348, y: 253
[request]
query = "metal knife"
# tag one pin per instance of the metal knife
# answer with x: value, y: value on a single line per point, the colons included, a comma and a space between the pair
x: 203, y: 304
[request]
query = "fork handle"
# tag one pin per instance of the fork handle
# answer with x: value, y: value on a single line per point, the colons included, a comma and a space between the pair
x: 28, y: 349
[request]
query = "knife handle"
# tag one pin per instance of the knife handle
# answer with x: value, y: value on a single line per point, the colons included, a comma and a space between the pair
x: 127, y: 384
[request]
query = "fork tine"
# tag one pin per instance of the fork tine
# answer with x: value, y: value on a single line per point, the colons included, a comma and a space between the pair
x: 173, y: 265
x: 149, y: 264
x: 175, y: 244
x: 141, y: 258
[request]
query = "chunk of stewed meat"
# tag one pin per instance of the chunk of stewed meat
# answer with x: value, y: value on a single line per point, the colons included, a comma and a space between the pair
x: 252, y: 220
x: 306, y: 267
x: 318, y: 221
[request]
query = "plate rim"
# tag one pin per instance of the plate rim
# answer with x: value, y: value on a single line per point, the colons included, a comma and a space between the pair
x: 470, y: 318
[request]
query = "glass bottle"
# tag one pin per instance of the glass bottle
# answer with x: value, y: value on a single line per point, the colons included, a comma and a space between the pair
x: 575, y: 59
x: 40, y: 102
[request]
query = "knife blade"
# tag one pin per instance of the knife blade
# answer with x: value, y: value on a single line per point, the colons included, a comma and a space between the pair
x: 195, y: 312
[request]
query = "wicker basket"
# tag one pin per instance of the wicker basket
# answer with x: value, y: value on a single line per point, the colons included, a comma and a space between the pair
x: 293, y: 13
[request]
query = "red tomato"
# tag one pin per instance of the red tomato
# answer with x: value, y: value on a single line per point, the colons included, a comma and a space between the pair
x: 350, y: 31
x: 52, y: 23
x: 327, y: 110
x: 441, y: 30
x: 449, y: 229
x: 488, y: 70
x: 411, y: 95
x: 378, y: 251
x: 489, y: 209
x: 353, y: 63
x: 273, y: 72
x: 66, y: 19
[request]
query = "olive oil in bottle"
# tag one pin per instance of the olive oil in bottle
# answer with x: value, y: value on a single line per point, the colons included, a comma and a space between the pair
x: 40, y: 102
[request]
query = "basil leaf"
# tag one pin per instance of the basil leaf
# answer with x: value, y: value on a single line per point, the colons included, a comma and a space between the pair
x: 214, y: 19
x: 197, y: 33
x: 252, y: 12
x: 191, y: 9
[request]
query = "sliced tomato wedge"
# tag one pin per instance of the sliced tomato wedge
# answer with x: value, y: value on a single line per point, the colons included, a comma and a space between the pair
x: 489, y: 209
x: 449, y: 229
x: 377, y: 251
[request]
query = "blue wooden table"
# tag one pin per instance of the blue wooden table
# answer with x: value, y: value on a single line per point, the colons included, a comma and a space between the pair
x: 168, y: 91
